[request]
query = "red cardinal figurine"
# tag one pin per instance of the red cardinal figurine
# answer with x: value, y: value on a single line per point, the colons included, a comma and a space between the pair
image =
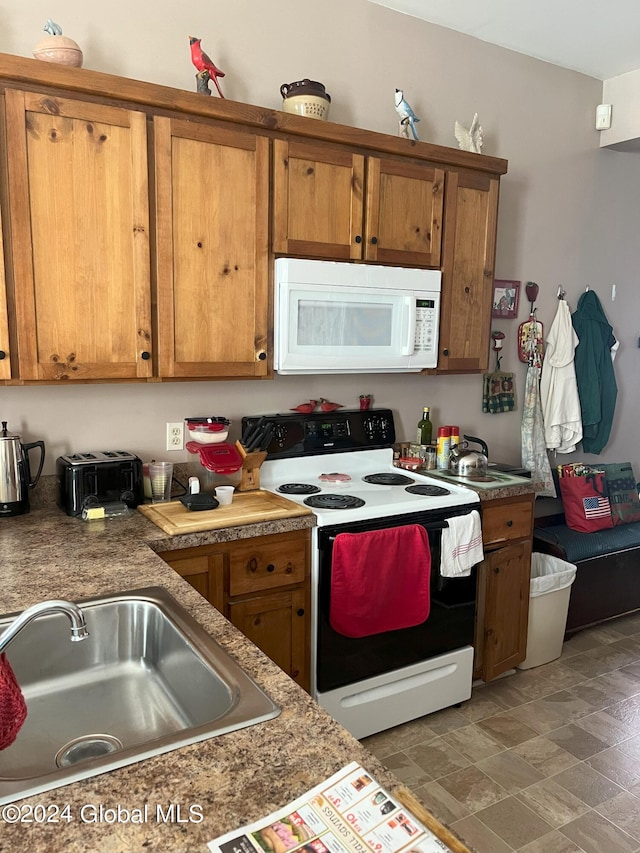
x: 328, y: 406
x: 203, y: 62
x: 305, y: 408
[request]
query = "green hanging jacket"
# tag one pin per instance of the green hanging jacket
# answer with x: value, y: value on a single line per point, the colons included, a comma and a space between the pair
x: 594, y: 371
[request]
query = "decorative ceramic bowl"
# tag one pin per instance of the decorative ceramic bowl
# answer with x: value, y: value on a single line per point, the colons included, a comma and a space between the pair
x: 60, y: 49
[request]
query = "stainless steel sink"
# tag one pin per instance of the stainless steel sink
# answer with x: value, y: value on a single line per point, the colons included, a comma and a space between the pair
x: 147, y: 680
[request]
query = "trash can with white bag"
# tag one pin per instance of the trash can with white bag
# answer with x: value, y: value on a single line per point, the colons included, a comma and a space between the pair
x: 550, y: 588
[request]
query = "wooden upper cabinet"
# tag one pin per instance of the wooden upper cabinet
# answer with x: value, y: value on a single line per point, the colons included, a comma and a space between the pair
x: 471, y: 210
x: 212, y: 202
x: 321, y: 209
x: 404, y: 212
x: 79, y: 239
x: 318, y: 200
x: 5, y: 352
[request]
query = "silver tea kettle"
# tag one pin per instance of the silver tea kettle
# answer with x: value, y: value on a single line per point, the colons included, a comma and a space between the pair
x: 468, y: 463
x: 15, y: 472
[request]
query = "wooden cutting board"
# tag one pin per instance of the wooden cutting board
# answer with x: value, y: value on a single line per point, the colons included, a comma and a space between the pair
x: 247, y: 508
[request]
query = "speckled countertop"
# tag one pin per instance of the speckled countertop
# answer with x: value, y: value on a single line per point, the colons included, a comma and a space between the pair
x: 235, y: 778
x: 493, y: 491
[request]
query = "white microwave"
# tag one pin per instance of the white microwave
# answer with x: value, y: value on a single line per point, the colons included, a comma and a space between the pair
x: 332, y: 317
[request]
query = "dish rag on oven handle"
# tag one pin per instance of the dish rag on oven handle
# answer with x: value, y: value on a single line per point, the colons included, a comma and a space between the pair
x: 461, y: 545
x: 380, y: 580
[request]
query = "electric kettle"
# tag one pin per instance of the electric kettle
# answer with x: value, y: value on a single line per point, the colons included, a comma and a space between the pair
x: 15, y: 472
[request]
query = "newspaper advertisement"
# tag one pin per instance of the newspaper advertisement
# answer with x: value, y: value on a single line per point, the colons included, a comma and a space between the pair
x: 347, y: 813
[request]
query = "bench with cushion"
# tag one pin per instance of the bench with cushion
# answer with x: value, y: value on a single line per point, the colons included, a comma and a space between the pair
x: 607, y: 582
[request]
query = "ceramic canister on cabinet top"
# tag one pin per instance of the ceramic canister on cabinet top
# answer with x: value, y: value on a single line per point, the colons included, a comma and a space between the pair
x: 306, y: 98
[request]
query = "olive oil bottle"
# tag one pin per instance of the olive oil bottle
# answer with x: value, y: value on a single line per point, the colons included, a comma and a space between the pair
x: 425, y: 427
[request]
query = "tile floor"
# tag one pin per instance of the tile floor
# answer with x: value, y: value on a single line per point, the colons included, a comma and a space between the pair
x: 543, y: 761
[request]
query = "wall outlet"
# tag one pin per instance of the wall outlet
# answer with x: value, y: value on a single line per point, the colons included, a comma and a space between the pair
x: 175, y: 436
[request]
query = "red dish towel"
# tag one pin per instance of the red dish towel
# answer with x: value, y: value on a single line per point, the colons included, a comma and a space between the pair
x: 380, y: 580
x: 13, y: 708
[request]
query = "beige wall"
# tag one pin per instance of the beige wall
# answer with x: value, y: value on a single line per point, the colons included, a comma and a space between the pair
x: 568, y: 211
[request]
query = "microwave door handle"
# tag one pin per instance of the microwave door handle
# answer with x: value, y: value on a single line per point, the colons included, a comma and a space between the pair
x: 409, y: 324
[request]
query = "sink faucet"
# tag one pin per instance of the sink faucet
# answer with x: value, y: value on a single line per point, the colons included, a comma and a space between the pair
x: 72, y: 611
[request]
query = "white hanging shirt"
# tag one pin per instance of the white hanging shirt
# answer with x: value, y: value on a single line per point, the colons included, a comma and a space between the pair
x: 558, y: 386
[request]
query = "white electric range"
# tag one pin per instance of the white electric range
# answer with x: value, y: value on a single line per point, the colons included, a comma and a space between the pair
x: 340, y: 464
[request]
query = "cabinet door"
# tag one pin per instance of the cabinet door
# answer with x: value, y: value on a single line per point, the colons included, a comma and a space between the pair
x: 204, y: 572
x: 79, y: 238
x: 503, y: 600
x: 5, y: 353
x: 278, y: 624
x: 404, y: 212
x: 212, y: 197
x: 471, y: 210
x: 317, y: 201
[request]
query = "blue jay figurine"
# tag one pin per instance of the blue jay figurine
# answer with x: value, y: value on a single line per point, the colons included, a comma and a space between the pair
x: 407, y: 116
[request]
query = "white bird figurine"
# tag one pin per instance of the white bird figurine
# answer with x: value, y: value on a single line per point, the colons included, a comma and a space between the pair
x: 408, y: 118
x: 52, y: 28
x: 472, y: 139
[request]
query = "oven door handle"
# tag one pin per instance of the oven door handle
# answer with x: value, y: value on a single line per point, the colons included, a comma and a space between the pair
x: 434, y: 525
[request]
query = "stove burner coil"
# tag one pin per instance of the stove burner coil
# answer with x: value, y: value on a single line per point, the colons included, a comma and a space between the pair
x: 298, y: 489
x: 425, y: 489
x: 388, y: 478
x: 326, y: 501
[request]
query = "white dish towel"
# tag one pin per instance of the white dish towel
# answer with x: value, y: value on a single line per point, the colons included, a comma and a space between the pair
x: 461, y: 546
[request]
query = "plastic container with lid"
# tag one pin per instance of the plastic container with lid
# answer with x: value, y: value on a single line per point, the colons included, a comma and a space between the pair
x: 208, y: 430
x: 214, y: 465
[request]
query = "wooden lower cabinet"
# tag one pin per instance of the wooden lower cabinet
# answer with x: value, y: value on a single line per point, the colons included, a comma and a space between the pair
x: 277, y: 623
x: 502, y: 610
x: 262, y: 586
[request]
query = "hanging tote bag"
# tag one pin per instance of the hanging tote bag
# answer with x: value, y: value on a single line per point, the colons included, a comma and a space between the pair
x: 586, y: 502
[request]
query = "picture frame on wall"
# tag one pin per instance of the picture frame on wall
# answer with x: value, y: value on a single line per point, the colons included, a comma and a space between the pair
x: 506, y: 295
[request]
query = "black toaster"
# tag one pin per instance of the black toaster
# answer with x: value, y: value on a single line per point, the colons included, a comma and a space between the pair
x: 99, y: 477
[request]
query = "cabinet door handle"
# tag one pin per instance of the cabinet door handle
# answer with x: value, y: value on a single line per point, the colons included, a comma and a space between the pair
x: 262, y: 356
x: 300, y: 612
x: 445, y: 352
x: 271, y: 567
x: 509, y: 523
x: 374, y: 240
x: 358, y: 238
x: 496, y: 570
x: 3, y: 355
x: 146, y: 355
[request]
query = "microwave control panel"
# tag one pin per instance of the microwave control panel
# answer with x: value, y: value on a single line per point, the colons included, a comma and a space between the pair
x: 426, y: 325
